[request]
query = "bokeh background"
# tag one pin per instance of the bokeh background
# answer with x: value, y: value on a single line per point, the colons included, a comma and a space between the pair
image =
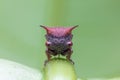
x: 96, y: 41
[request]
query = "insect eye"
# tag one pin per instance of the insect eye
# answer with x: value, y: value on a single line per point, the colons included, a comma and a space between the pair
x: 48, y: 43
x: 69, y: 43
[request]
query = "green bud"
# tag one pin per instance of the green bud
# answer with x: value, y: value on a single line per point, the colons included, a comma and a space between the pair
x: 59, y: 69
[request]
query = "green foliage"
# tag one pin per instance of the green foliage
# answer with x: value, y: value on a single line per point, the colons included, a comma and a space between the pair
x: 10, y: 70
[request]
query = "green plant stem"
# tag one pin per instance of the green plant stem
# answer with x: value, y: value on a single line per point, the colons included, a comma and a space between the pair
x: 59, y: 69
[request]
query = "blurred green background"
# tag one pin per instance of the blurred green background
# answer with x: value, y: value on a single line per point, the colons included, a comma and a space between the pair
x: 96, y: 41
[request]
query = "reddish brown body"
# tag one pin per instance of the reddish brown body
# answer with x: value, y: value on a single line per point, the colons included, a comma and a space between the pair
x: 59, y: 41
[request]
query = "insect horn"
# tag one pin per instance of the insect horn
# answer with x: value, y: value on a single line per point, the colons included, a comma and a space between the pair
x: 46, y: 28
x: 71, y: 28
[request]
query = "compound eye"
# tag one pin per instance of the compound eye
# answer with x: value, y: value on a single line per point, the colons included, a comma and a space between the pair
x: 48, y: 43
x: 69, y: 43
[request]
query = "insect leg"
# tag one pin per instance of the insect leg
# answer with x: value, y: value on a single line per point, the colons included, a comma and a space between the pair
x: 69, y: 53
x: 48, y: 56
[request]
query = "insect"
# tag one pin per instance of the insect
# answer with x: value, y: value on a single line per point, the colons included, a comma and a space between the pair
x: 59, y: 41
